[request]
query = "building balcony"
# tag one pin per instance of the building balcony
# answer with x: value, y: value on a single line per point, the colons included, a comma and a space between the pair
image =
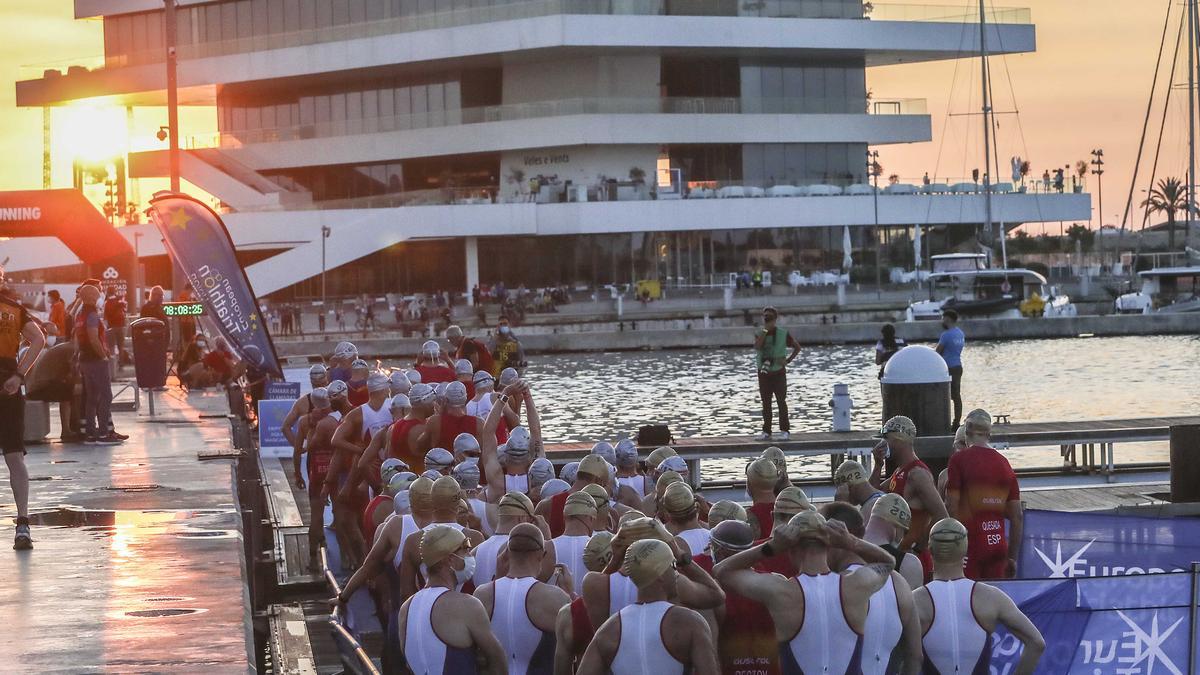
x: 583, y: 130
x: 893, y: 108
x: 548, y: 27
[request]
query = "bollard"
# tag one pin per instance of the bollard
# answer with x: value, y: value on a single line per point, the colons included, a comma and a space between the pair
x: 842, y: 404
x: 1185, y: 463
x: 916, y: 384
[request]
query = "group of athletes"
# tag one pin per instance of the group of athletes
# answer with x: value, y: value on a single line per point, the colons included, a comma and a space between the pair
x: 481, y: 557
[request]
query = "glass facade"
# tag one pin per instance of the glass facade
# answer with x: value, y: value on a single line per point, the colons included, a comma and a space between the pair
x: 353, y: 181
x: 240, y: 25
x: 252, y: 114
x: 595, y: 260
x: 824, y: 87
x: 767, y: 164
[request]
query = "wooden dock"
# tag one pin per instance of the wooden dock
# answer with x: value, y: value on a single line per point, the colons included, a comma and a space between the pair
x: 1086, y: 446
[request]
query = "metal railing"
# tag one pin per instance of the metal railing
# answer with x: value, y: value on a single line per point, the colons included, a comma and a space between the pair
x: 625, y: 191
x: 558, y: 108
x: 525, y: 9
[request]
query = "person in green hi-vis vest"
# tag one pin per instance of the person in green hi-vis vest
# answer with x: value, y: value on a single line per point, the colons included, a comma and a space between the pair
x: 771, y: 344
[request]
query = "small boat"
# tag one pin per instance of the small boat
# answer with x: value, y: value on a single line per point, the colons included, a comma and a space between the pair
x: 963, y: 282
x: 1165, y: 290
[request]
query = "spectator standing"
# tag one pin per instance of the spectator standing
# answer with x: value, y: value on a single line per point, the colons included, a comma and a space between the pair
x: 114, y: 317
x: 887, y: 346
x: 187, y: 324
x: 950, y: 346
x: 153, y: 309
x: 58, y: 315
x: 771, y: 345
x: 93, y: 368
x: 506, y: 349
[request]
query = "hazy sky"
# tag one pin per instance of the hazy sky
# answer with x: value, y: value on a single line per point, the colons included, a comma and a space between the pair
x: 1085, y: 87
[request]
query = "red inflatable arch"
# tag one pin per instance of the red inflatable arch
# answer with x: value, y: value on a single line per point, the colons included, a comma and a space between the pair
x: 65, y: 214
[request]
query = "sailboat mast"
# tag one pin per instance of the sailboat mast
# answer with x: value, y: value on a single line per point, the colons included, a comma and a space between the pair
x: 987, y: 125
x: 1191, y: 176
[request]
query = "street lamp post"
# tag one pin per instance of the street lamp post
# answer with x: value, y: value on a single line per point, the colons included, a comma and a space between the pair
x: 172, y: 93
x: 325, y: 231
x: 1098, y: 171
x: 875, y: 169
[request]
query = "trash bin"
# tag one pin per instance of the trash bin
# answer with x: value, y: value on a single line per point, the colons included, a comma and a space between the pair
x: 916, y: 384
x: 149, y: 352
x: 37, y: 421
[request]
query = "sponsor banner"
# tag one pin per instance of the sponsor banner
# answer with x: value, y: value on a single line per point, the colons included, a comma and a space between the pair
x: 1059, y: 545
x: 271, y: 441
x: 200, y: 246
x: 1103, y: 626
x: 282, y: 391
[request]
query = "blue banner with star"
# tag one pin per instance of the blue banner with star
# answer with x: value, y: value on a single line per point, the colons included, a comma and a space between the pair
x: 200, y: 245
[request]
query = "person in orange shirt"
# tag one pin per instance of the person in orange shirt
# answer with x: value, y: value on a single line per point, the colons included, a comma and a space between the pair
x: 58, y: 313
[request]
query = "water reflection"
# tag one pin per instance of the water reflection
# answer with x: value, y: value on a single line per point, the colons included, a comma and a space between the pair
x: 587, y: 397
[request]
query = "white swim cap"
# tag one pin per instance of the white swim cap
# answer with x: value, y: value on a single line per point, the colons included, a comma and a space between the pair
x: 317, y: 371
x: 400, y: 402
x: 508, y: 376
x: 467, y: 474
x: 431, y: 347
x: 569, y: 472
x: 337, y: 389
x: 483, y: 379
x: 517, y: 446
x: 438, y: 458
x: 463, y: 367
x: 360, y: 364
x: 464, y: 443
x: 399, y: 382
x: 390, y: 467
x: 320, y: 398
x: 421, y: 393
x: 605, y: 450
x: 345, y: 349
x: 540, y: 471
x: 626, y: 452
x: 456, y: 393
x: 378, y: 382
x: 553, y: 487
x: 414, y: 376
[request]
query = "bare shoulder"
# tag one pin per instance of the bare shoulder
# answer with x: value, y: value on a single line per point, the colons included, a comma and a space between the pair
x: 550, y: 594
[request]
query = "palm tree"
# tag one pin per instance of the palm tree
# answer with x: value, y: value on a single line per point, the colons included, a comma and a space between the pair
x: 1168, y: 197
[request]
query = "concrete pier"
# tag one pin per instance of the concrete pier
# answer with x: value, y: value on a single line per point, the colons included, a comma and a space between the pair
x: 743, y: 336
x: 137, y: 563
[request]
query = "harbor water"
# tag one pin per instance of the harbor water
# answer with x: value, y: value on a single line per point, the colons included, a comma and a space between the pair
x: 591, y: 397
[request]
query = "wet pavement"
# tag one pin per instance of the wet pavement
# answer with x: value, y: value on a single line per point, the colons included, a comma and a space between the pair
x: 137, y: 560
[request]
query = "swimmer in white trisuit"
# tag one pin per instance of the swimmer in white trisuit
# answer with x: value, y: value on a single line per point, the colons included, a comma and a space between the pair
x: 573, y: 628
x: 514, y: 508
x: 890, y: 520
x: 632, y: 484
x: 653, y: 635
x: 318, y: 376
x: 444, y: 496
x: 506, y: 467
x: 958, y: 615
x: 482, y: 514
x: 683, y: 518
x: 893, y: 631
x: 441, y: 631
x: 579, y: 514
x: 819, y: 615
x: 522, y: 608
x: 607, y: 592
x: 541, y: 471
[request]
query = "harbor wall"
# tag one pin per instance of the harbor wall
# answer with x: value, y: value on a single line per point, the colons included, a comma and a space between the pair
x: 809, y: 334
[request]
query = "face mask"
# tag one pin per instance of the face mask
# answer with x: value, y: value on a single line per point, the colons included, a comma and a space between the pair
x: 504, y: 330
x: 468, y: 570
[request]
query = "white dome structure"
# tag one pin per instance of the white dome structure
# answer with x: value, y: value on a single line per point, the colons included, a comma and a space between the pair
x: 916, y: 365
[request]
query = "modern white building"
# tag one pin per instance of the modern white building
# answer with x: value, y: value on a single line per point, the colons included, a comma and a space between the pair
x: 451, y: 142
